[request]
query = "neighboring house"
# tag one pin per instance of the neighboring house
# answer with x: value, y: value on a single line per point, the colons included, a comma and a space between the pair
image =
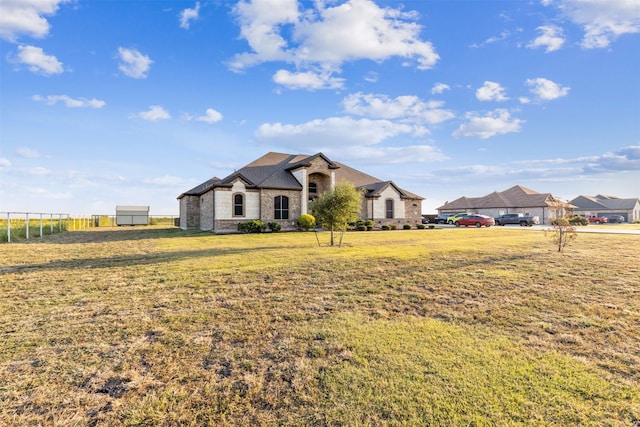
x: 516, y: 199
x: 602, y: 205
x: 280, y: 187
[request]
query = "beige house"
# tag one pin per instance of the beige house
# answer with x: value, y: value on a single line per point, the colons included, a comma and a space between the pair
x: 279, y: 187
x: 516, y: 199
x: 603, y: 205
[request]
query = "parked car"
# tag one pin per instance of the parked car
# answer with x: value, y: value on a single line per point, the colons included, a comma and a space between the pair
x: 477, y: 220
x: 517, y: 218
x: 452, y: 219
x: 615, y: 218
x: 598, y: 219
x: 441, y: 219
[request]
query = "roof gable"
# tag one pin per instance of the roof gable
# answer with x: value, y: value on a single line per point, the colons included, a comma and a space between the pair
x: 514, y: 197
x: 275, y: 170
x: 604, y: 202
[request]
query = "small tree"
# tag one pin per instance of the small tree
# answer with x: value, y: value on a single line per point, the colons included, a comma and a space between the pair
x: 306, y: 221
x: 563, y: 232
x: 337, y: 208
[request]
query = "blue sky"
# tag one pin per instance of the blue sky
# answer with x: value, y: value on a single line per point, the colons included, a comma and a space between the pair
x: 106, y: 103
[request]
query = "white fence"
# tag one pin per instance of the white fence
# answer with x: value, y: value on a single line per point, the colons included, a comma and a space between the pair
x: 27, y: 225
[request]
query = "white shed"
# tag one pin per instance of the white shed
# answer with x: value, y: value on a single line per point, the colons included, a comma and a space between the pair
x: 132, y: 215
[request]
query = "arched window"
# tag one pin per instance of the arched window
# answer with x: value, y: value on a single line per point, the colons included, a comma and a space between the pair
x: 281, y: 207
x: 388, y: 204
x: 238, y: 205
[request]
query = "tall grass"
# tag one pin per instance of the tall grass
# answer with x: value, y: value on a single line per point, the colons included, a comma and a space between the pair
x: 150, y: 326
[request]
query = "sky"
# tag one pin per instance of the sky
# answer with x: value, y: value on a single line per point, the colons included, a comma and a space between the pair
x: 123, y: 102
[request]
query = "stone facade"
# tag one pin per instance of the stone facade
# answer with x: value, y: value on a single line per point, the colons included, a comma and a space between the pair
x: 212, y: 206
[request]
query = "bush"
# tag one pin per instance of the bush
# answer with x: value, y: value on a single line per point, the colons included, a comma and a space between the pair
x: 369, y: 224
x: 306, y: 221
x: 406, y: 227
x: 386, y: 227
x: 274, y: 226
x: 393, y: 227
x: 253, y: 226
x: 575, y: 220
x: 421, y: 226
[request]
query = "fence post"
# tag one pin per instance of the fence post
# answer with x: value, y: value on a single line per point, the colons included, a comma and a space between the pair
x: 40, y: 225
x: 27, y: 225
x: 8, y: 227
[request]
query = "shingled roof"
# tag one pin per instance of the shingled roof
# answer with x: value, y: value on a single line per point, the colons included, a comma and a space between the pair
x: 603, y: 202
x: 274, y: 170
x: 514, y: 197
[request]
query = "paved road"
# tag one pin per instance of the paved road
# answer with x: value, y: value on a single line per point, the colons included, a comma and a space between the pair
x: 584, y: 229
x: 587, y: 229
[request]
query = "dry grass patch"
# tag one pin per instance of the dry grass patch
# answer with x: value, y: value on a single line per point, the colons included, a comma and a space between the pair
x: 152, y: 326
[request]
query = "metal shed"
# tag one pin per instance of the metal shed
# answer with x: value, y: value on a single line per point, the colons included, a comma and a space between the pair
x: 132, y: 215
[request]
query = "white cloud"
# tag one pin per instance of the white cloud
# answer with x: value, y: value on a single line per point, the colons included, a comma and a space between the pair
x: 27, y: 153
x: 167, y: 180
x: 552, y: 38
x: 326, y: 37
x: 603, y: 21
x: 494, y: 39
x: 498, y: 122
x: 491, y: 91
x: 4, y: 163
x: 210, y: 116
x: 307, y: 80
x: 390, y: 155
x: 188, y: 15
x: 439, y: 88
x: 154, y: 113
x: 133, y: 63
x: 70, y: 102
x: 26, y: 17
x: 407, y: 108
x: 39, y: 62
x: 625, y: 159
x: 546, y: 90
x: 334, y: 132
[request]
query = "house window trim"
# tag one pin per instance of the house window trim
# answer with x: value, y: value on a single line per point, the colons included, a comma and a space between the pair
x: 388, y: 211
x: 235, y: 205
x: 280, y: 212
x: 313, y: 188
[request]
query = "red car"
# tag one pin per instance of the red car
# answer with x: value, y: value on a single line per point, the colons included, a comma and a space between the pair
x: 477, y: 220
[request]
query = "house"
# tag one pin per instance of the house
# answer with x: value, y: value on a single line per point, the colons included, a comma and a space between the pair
x: 602, y: 205
x: 279, y: 187
x: 516, y: 199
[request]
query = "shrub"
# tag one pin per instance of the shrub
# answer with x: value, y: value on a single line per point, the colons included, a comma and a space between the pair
x: 406, y: 227
x: 274, y: 226
x: 369, y: 224
x: 306, y: 221
x: 253, y: 226
x: 393, y: 227
x: 576, y: 220
x: 421, y: 226
x: 386, y: 227
x: 562, y: 233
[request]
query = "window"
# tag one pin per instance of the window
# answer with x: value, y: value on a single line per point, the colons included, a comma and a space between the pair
x: 313, y: 188
x: 238, y: 205
x: 281, y: 207
x: 389, y: 208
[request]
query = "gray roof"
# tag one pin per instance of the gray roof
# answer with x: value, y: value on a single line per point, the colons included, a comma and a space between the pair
x: 274, y: 170
x: 514, y: 197
x: 604, y: 203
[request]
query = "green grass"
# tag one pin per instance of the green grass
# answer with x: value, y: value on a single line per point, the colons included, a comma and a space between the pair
x: 153, y: 326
